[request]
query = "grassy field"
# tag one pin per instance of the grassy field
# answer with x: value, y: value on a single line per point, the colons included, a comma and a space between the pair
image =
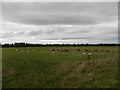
x: 40, y: 68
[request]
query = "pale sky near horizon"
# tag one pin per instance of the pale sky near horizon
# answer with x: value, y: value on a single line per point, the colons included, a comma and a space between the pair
x: 60, y: 22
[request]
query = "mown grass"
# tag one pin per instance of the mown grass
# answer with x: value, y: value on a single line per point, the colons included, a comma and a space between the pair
x: 40, y: 68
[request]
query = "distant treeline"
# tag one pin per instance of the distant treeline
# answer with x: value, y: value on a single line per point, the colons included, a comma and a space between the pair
x: 45, y: 45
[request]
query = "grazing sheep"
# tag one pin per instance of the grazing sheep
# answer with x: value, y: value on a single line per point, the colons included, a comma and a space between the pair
x: 89, y: 54
x: 16, y: 50
x: 96, y: 50
x: 77, y: 49
x: 54, y: 51
x: 66, y: 50
x: 83, y: 53
x: 22, y: 51
x: 57, y: 50
x: 107, y: 50
x: 28, y: 50
x: 86, y: 50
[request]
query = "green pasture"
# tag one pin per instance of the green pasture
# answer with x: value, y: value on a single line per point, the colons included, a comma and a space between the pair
x: 40, y: 68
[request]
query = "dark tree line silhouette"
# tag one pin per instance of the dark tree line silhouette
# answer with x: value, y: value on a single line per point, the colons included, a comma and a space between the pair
x: 45, y: 45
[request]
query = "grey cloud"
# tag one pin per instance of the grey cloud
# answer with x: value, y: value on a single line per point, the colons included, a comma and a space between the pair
x: 20, y: 33
x: 7, y: 35
x: 11, y: 34
x: 51, y: 31
x: 57, y: 19
x: 34, y: 33
x: 59, y: 13
x: 83, y: 31
x: 47, y: 31
x: 65, y: 22
x: 55, y: 30
x: 68, y: 38
x: 84, y: 38
x: 75, y: 38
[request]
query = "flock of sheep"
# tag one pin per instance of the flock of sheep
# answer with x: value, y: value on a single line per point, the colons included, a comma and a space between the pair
x: 22, y: 50
x: 64, y: 50
x: 85, y: 52
x: 67, y: 50
x: 59, y: 50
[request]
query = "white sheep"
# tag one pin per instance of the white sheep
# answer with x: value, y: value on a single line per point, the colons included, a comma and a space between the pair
x: 28, y: 50
x: 83, y: 53
x: 89, y: 54
x: 16, y: 50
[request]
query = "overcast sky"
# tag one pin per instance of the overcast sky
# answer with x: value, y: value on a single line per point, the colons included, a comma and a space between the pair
x: 60, y: 22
